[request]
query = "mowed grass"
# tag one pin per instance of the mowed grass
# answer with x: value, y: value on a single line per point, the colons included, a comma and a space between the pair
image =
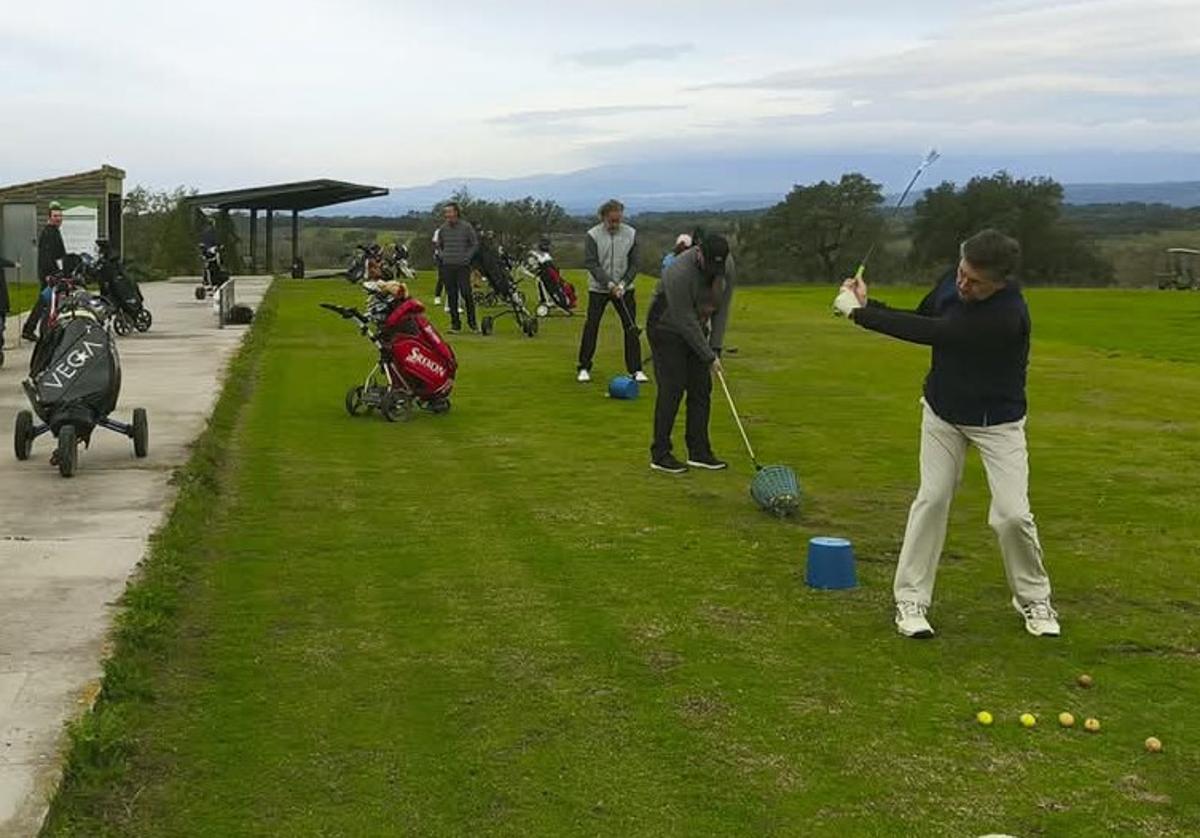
x: 499, y: 622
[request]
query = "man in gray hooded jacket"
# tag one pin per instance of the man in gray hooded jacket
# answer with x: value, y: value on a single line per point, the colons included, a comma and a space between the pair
x: 610, y: 254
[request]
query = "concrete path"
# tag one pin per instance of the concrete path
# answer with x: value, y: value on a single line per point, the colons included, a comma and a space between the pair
x: 68, y: 547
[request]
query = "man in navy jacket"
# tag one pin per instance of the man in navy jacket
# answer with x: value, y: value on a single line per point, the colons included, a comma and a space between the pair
x: 978, y: 327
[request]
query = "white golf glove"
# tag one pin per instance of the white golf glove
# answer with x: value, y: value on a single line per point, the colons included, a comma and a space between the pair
x: 845, y: 302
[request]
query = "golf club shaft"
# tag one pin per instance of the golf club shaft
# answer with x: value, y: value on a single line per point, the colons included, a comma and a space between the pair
x: 929, y: 159
x: 737, y: 418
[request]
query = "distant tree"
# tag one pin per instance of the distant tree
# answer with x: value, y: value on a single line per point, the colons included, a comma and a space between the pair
x: 817, y: 232
x: 516, y: 223
x: 1030, y: 210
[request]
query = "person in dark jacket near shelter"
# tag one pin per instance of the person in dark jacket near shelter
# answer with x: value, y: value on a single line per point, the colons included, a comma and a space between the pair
x: 686, y: 327
x: 610, y: 254
x: 51, y: 252
x: 456, y: 243
x: 978, y: 326
x: 4, y: 302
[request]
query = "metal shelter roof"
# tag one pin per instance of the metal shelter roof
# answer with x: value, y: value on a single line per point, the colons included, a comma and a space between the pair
x: 302, y: 195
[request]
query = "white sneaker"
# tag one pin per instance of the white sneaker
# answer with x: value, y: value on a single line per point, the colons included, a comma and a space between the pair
x: 583, y: 377
x: 640, y: 377
x: 437, y: 301
x: 910, y: 620
x: 1041, y: 620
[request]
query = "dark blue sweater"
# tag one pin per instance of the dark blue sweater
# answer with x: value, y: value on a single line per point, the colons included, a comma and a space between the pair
x: 980, y: 350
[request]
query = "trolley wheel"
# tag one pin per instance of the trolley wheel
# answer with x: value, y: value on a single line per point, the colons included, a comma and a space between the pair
x: 391, y: 407
x: 23, y: 435
x: 530, y: 327
x: 487, y: 325
x: 143, y: 320
x: 121, y: 324
x: 68, y: 450
x: 141, y: 432
x: 354, y: 401
x: 199, y: 292
x: 543, y: 310
x: 439, y: 406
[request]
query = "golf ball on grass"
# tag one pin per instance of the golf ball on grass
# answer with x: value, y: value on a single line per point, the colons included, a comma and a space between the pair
x: 1154, y: 745
x: 1091, y: 725
x: 1084, y: 680
x: 1066, y: 720
x: 983, y: 717
x: 1028, y: 720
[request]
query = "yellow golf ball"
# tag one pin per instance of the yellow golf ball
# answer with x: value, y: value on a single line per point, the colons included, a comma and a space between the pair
x: 1066, y: 720
x: 1091, y: 725
x: 1028, y: 719
x: 1084, y: 680
x: 983, y: 717
x: 1153, y: 745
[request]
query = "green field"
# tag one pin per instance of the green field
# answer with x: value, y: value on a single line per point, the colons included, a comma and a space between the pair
x: 499, y: 622
x: 21, y: 297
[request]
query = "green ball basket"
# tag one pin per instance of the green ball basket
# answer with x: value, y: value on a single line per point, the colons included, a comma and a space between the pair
x: 776, y: 490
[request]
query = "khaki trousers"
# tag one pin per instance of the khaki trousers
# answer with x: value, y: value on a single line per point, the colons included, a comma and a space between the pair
x: 1006, y: 461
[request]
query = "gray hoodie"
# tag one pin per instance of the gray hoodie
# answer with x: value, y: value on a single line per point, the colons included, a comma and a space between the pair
x: 611, y: 258
x: 684, y: 291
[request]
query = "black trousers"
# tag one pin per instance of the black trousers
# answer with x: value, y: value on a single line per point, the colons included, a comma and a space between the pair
x: 457, y: 279
x: 679, y: 371
x: 597, y: 302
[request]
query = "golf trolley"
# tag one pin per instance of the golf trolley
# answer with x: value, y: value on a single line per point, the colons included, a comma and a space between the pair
x: 555, y: 294
x: 74, y: 382
x: 414, y: 368
x: 214, y: 275
x: 501, y: 290
x: 125, y: 299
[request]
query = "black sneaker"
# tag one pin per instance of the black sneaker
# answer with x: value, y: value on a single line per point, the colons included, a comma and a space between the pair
x: 709, y: 462
x: 668, y: 464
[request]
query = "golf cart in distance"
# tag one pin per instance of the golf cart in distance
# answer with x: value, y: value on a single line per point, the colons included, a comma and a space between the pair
x: 1182, y: 269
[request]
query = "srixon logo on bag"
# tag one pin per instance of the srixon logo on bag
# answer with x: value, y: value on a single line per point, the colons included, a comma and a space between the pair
x: 417, y: 358
x: 62, y: 373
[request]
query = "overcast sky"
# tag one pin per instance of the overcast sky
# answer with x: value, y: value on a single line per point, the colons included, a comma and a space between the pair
x: 219, y: 94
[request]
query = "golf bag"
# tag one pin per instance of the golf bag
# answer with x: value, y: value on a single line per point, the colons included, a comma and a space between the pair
x: 496, y: 269
x: 214, y: 275
x: 415, y: 366
x: 553, y: 290
x: 369, y: 265
x: 121, y: 292
x: 75, y: 372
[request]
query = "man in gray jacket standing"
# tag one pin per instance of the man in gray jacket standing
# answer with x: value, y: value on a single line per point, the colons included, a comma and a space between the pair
x: 610, y: 254
x: 686, y: 326
x: 456, y: 243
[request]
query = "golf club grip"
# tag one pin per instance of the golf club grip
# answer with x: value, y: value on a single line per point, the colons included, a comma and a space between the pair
x: 736, y: 418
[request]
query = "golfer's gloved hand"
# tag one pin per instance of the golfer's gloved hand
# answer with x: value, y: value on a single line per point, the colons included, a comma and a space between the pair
x: 845, y: 302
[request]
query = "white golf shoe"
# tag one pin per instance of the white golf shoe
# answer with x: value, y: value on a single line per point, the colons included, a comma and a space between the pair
x: 640, y: 377
x: 437, y: 301
x: 910, y: 620
x: 1041, y: 620
x: 583, y: 377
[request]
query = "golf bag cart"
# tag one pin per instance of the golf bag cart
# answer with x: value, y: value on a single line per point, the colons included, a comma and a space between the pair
x: 129, y: 311
x: 414, y: 366
x: 554, y: 292
x: 368, y: 265
x: 74, y: 380
x: 214, y: 275
x: 501, y: 289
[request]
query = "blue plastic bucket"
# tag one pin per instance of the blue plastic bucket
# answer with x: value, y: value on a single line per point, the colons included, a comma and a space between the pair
x: 830, y: 564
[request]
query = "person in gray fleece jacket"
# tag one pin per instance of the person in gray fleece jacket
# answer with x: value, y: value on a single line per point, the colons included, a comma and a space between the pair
x: 610, y: 254
x: 456, y: 245
x: 686, y: 326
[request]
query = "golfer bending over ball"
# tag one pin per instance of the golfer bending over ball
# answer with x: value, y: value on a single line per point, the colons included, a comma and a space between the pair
x: 977, y: 323
x: 686, y: 324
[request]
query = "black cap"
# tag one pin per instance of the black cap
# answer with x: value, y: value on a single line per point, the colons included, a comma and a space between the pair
x: 716, y: 250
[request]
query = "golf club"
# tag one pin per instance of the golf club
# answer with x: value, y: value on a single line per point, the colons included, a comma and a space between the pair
x: 630, y: 324
x: 738, y: 420
x: 929, y: 160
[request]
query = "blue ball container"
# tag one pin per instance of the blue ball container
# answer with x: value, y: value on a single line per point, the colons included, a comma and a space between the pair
x: 830, y: 564
x: 623, y: 387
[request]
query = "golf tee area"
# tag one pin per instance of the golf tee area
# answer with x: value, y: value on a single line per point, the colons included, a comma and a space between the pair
x: 500, y: 621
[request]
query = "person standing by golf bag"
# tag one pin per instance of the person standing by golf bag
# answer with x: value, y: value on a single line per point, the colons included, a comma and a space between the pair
x: 978, y: 326
x: 686, y: 326
x: 457, y: 243
x: 51, y: 252
x: 610, y: 254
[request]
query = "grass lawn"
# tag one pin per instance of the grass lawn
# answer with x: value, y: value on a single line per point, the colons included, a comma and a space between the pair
x: 21, y: 297
x: 500, y: 622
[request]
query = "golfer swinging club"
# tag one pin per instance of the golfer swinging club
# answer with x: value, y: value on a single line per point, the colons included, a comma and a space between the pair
x: 977, y: 324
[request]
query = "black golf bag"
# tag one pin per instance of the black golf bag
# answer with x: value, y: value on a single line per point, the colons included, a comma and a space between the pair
x: 75, y: 372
